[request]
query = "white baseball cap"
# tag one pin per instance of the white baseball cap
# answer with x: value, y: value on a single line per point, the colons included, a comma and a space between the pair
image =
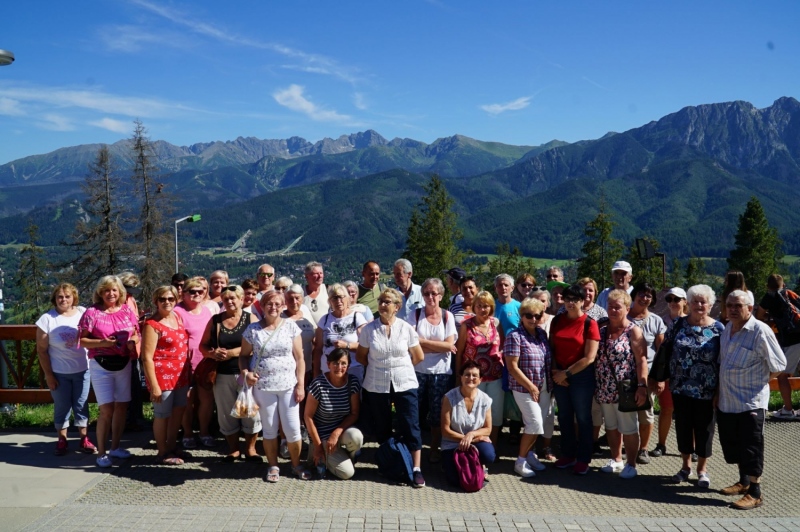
x: 622, y: 265
x: 677, y: 291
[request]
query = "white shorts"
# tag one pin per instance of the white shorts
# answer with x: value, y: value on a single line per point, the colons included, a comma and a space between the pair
x: 110, y: 386
x: 647, y: 416
x: 532, y: 412
x: 792, y: 359
x: 494, y: 389
x: 626, y: 422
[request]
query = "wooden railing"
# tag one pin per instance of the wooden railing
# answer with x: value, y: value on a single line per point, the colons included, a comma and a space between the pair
x: 20, y: 369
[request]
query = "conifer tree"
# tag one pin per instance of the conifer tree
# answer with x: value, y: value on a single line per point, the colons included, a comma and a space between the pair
x: 433, y: 233
x: 31, y: 279
x: 757, y: 251
x: 675, y: 277
x: 650, y: 270
x: 695, y: 272
x: 506, y: 260
x: 601, y: 250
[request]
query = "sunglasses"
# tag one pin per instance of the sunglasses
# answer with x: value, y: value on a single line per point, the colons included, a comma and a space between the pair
x: 230, y: 288
x: 281, y: 288
x: 268, y: 274
x: 166, y: 300
x: 672, y: 299
x: 571, y: 300
x: 196, y: 292
x: 526, y: 285
x: 552, y: 276
x: 531, y: 316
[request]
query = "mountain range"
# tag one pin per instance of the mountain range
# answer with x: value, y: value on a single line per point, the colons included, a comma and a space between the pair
x: 683, y: 179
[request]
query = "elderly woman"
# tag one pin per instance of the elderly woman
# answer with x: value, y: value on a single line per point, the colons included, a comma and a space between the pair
x: 466, y: 421
x: 195, y: 316
x: 596, y: 312
x: 250, y: 290
x: 340, y: 327
x: 469, y: 289
x: 65, y: 365
x: 523, y: 286
x: 271, y: 360
x: 643, y: 298
x: 165, y: 357
x: 543, y: 295
x: 332, y: 408
x: 479, y: 340
x: 528, y: 359
x: 677, y: 305
x: 622, y: 356
x: 109, y: 329
x: 352, y: 290
x: 389, y: 348
x: 546, y: 451
x: 694, y: 377
x: 216, y: 282
x: 437, y: 337
x: 574, y: 338
x: 222, y: 342
x: 301, y: 315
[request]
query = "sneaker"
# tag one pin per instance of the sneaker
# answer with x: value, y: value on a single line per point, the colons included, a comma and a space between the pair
x: 565, y: 462
x: 87, y: 446
x: 736, y: 489
x: 643, y: 457
x: 748, y: 502
x: 660, y: 450
x: 681, y: 476
x: 703, y: 480
x: 534, y: 462
x: 419, y: 480
x: 189, y: 443
x: 581, y: 468
x: 783, y: 413
x: 612, y: 466
x: 523, y: 469
x: 119, y: 452
x: 284, y: 450
x: 628, y: 472
x: 61, y: 446
x: 103, y: 461
x: 596, y: 449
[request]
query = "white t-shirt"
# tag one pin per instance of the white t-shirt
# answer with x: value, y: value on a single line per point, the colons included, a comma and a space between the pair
x: 62, y: 336
x: 344, y: 328
x: 433, y: 363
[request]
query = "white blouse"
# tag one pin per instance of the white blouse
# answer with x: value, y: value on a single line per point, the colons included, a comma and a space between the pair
x: 273, y: 359
x: 389, y: 362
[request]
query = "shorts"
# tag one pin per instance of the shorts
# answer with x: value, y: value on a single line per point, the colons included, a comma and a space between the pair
x: 626, y: 422
x: 494, y: 389
x: 170, y: 399
x: 665, y: 399
x: 110, y: 386
x: 792, y: 359
x: 647, y: 417
x: 532, y: 415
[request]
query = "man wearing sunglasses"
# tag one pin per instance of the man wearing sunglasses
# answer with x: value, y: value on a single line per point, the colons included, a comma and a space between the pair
x: 264, y: 277
x: 621, y: 274
x: 316, y: 295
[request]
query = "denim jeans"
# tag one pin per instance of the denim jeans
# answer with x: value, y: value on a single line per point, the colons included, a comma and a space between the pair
x: 575, y: 403
x: 376, y: 409
x: 71, y: 395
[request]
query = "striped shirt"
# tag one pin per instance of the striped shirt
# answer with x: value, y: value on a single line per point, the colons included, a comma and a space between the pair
x: 746, y: 360
x: 334, y: 403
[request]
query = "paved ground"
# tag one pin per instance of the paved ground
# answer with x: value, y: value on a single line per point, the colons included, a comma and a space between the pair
x: 42, y: 492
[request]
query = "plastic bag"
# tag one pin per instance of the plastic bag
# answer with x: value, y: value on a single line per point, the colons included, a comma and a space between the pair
x: 245, y: 405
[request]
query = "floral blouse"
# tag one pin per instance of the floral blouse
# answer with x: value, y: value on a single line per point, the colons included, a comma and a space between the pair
x: 273, y: 359
x: 171, y: 357
x: 615, y: 362
x: 694, y: 365
x: 484, y: 350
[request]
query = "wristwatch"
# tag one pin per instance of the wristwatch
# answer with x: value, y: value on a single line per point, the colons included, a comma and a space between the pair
x: 642, y: 385
x: 568, y: 373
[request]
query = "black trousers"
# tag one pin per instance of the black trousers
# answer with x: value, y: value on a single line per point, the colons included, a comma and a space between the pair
x: 694, y: 425
x: 376, y: 409
x: 742, y: 439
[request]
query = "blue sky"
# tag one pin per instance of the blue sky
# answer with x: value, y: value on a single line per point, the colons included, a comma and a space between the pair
x: 515, y: 72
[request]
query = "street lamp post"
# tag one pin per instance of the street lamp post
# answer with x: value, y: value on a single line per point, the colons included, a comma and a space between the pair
x: 6, y: 57
x: 191, y: 218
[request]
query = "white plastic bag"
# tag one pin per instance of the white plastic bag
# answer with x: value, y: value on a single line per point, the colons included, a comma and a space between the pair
x: 245, y: 405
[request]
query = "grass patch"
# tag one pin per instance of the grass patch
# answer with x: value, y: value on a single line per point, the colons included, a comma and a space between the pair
x: 41, y: 416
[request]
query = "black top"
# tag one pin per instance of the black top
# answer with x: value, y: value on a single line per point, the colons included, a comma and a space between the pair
x: 228, y: 339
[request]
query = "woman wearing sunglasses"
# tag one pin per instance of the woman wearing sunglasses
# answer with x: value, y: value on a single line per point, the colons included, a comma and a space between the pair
x: 165, y: 357
x: 339, y: 328
x: 523, y: 286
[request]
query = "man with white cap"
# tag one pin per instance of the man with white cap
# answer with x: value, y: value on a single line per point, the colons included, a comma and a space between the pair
x: 621, y: 274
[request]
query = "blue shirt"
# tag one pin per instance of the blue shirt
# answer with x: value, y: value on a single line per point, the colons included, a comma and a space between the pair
x: 412, y: 302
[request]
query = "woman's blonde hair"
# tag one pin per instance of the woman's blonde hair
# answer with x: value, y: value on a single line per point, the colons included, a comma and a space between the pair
x: 529, y: 304
x: 161, y: 290
x: 391, y: 294
x: 338, y: 289
x: 67, y: 288
x: 107, y: 282
x: 484, y: 297
x: 620, y: 295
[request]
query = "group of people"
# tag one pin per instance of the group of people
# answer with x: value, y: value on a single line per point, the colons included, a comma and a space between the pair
x: 336, y: 362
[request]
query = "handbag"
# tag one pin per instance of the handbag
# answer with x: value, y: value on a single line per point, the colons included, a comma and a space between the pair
x: 626, y: 389
x: 659, y: 372
x: 206, y: 373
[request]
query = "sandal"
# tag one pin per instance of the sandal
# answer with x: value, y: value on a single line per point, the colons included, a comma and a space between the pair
x: 208, y: 441
x: 273, y: 475
x: 171, y: 460
x: 301, y: 472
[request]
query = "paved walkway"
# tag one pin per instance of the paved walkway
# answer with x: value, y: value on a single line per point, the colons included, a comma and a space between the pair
x: 41, y: 492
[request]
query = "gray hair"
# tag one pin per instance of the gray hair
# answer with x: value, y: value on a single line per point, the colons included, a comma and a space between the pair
x: 744, y: 296
x: 348, y: 284
x: 434, y: 282
x: 538, y: 292
x: 701, y: 290
x: 504, y: 277
x: 556, y: 269
x: 405, y: 264
x: 311, y: 265
x: 295, y: 289
x: 283, y: 280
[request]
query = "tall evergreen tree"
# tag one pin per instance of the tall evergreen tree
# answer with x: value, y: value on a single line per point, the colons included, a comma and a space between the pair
x: 675, y: 276
x: 433, y: 233
x: 601, y: 249
x: 154, y: 240
x: 31, y: 279
x: 650, y: 270
x: 506, y: 260
x: 695, y: 272
x: 99, y: 239
x: 757, y: 252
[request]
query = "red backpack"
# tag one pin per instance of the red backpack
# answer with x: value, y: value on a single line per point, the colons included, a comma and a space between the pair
x: 470, y: 469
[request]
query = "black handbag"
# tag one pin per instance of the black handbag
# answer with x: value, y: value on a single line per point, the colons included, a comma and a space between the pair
x: 626, y: 389
x: 659, y: 371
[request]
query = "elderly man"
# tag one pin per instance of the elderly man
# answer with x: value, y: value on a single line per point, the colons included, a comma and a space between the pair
x: 370, y: 288
x: 264, y: 276
x: 316, y: 295
x: 621, y: 274
x: 506, y: 309
x: 454, y: 276
x: 412, y: 293
x: 554, y: 273
x: 749, y: 357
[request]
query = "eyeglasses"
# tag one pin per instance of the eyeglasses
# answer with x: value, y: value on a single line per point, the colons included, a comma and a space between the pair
x: 339, y: 298
x: 281, y: 288
x: 530, y: 316
x: 197, y: 291
x: 571, y: 301
x: 430, y: 294
x: 230, y: 288
x: 166, y: 300
x: 552, y: 276
x: 526, y: 285
x: 645, y: 295
x: 672, y: 299
x: 267, y: 274
x: 385, y: 302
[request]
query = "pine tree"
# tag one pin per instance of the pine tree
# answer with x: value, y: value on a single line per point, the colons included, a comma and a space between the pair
x: 601, y: 250
x: 433, y: 233
x: 99, y: 239
x: 757, y: 252
x: 695, y: 272
x: 154, y: 240
x: 675, y: 277
x: 31, y: 279
x: 506, y: 260
x: 650, y: 270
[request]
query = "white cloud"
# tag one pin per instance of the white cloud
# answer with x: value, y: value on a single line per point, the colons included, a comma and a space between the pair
x: 293, y: 98
x: 55, y: 122
x: 130, y: 38
x: 359, y: 102
x: 516, y: 105
x: 117, y: 126
x: 10, y: 107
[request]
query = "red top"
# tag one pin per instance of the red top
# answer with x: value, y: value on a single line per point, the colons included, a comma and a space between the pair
x: 484, y: 350
x: 567, y: 338
x: 171, y: 358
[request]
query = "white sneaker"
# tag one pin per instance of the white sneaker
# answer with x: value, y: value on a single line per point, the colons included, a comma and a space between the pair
x: 785, y: 414
x: 119, y: 452
x: 612, y: 466
x: 534, y: 462
x: 522, y: 469
x: 628, y: 472
x: 103, y: 461
x: 703, y: 480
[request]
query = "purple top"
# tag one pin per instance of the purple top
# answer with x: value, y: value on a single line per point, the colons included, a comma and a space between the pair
x: 195, y: 325
x: 101, y: 324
